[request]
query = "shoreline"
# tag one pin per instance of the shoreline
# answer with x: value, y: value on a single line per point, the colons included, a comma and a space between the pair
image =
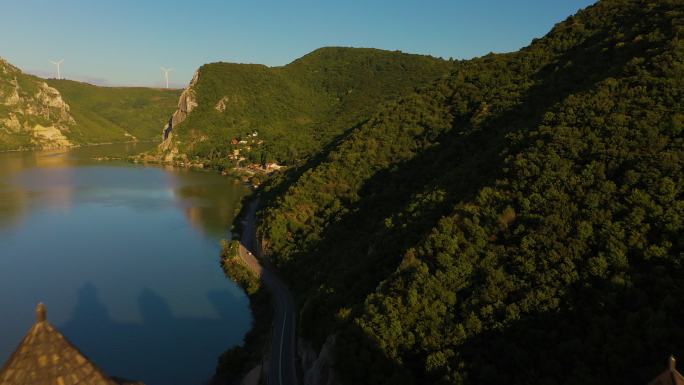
x: 27, y: 149
x: 241, y: 265
x: 246, y: 363
x: 253, y: 179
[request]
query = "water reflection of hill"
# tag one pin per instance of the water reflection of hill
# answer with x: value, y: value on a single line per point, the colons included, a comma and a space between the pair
x: 161, y: 350
x: 12, y: 206
x: 15, y: 197
x: 208, y: 200
x: 48, y: 178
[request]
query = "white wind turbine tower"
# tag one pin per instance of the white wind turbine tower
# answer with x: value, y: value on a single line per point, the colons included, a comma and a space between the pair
x: 58, y: 64
x: 166, y: 75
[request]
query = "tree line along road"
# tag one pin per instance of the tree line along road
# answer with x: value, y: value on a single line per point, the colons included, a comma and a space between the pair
x: 281, y: 367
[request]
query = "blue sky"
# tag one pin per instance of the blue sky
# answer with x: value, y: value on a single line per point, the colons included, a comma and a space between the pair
x: 124, y: 42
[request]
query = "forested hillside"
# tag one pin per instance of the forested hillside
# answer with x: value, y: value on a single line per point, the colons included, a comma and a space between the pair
x: 39, y: 113
x: 294, y: 109
x: 114, y: 114
x: 519, y: 221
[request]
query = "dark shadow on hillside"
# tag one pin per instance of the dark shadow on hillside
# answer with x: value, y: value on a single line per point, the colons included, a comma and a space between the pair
x: 163, y: 349
x: 605, y: 334
x: 292, y: 174
x: 359, y: 250
x: 277, y: 187
x: 609, y: 335
x: 363, y: 362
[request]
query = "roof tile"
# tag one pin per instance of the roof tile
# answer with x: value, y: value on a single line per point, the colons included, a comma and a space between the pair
x: 45, y: 356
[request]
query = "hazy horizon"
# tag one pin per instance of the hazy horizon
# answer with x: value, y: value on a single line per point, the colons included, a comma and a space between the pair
x: 98, y: 40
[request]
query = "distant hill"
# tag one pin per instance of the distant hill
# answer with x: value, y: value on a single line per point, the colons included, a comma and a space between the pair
x: 116, y: 113
x: 519, y: 221
x: 295, y: 109
x: 38, y: 113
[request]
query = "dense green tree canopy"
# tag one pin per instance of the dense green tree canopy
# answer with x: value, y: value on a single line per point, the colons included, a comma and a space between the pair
x: 520, y: 220
x: 297, y: 108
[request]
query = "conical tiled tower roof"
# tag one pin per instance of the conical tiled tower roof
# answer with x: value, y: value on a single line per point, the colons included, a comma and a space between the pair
x: 670, y: 376
x: 45, y: 357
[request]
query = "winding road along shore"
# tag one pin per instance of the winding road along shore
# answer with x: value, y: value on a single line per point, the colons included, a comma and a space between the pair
x: 281, y: 366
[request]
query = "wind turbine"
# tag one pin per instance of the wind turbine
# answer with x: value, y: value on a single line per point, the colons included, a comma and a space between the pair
x: 166, y: 75
x: 58, y: 64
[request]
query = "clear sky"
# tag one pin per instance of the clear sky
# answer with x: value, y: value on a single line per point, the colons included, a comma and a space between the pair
x: 124, y: 42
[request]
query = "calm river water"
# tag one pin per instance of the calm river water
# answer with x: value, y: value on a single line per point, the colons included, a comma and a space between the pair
x: 125, y: 258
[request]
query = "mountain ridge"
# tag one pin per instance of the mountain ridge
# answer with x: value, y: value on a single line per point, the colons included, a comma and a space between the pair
x: 506, y: 223
x: 294, y: 108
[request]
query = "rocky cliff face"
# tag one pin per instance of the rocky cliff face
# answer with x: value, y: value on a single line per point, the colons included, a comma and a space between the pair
x: 186, y: 103
x: 32, y: 114
x: 318, y: 368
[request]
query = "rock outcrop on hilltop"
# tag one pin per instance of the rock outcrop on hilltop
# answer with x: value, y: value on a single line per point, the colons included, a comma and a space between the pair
x: 32, y: 114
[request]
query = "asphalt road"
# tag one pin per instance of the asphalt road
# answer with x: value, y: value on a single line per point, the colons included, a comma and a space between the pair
x: 281, y: 369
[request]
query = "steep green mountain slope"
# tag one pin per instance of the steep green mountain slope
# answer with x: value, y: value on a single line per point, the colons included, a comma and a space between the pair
x: 38, y: 113
x: 111, y: 114
x: 295, y: 109
x: 519, y: 221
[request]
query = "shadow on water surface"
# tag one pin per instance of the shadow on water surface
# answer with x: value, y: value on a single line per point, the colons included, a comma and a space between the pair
x: 162, y: 349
